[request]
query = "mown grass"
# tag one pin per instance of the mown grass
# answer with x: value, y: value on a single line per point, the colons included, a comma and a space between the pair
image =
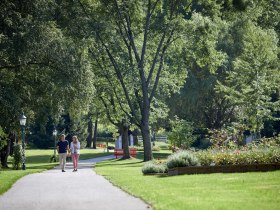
x: 37, y: 161
x: 256, y: 190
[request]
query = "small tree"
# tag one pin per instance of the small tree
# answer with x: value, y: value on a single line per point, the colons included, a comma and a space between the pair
x: 17, y: 158
x: 182, y: 133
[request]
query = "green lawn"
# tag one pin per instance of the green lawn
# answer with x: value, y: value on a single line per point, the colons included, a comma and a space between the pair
x: 37, y: 161
x: 211, y: 191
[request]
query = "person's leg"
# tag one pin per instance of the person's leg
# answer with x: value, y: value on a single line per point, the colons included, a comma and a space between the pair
x: 64, y: 155
x: 60, y: 160
x: 77, y: 160
x: 74, y: 160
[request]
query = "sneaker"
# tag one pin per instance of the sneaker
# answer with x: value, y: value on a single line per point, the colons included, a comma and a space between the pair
x: 63, y: 171
x: 74, y: 170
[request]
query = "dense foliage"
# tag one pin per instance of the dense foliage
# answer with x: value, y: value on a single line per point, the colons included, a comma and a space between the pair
x: 182, y: 134
x: 67, y: 64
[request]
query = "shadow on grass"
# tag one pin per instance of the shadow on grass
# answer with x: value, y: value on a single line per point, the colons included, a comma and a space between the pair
x: 119, y: 161
x: 156, y: 155
x: 38, y: 159
x: 85, y: 156
x: 162, y: 175
x: 46, y: 167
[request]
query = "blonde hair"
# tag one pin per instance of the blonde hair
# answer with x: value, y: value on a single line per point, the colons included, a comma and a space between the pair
x: 75, y: 139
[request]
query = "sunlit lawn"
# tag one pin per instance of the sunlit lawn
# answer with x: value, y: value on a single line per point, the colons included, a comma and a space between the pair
x: 256, y: 190
x: 37, y: 161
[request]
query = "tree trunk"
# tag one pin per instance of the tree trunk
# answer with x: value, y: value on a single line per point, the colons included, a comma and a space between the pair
x: 145, y: 130
x: 136, y: 133
x: 6, y: 150
x: 89, y: 137
x: 95, y: 132
x: 124, y: 130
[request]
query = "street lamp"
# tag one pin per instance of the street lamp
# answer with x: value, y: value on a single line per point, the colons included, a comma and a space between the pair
x: 22, y: 122
x: 54, y: 135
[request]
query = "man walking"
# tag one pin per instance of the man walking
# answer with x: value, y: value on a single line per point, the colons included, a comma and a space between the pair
x: 62, y: 149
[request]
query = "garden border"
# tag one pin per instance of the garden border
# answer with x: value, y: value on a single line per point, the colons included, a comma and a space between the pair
x: 223, y: 169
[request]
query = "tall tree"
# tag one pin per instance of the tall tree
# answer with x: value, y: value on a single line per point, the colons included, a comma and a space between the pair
x: 140, y: 40
x: 41, y: 70
x: 224, y: 32
x: 252, y: 70
x: 254, y: 76
x: 89, y: 131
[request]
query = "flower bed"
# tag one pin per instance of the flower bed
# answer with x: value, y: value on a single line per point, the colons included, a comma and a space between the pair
x: 218, y: 161
x: 223, y: 169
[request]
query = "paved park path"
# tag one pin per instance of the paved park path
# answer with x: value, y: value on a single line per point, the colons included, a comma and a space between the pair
x: 82, y: 190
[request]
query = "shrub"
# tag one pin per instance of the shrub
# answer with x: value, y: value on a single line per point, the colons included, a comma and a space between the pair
x: 17, y: 158
x: 53, y: 158
x: 181, y: 135
x: 244, y: 156
x: 3, y: 138
x: 205, y: 157
x: 182, y: 159
x: 156, y: 148
x: 224, y: 158
x: 152, y: 167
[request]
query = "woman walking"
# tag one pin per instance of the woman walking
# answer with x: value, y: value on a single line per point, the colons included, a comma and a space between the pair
x: 75, y: 150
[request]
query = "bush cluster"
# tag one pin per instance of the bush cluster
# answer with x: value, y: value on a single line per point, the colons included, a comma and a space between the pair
x: 182, y: 158
x: 247, y: 155
x: 153, y: 167
x: 239, y: 157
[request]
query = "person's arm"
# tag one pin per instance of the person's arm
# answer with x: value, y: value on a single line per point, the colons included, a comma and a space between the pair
x: 57, y: 148
x: 68, y: 149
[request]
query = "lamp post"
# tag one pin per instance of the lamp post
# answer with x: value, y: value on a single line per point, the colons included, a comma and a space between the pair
x: 22, y: 122
x: 54, y: 135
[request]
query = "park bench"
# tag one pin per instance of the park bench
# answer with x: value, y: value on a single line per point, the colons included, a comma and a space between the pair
x: 119, y: 152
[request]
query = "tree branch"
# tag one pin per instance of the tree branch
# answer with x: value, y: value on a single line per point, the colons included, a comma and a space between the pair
x: 147, y: 26
x: 156, y: 57
x: 123, y: 35
x: 107, y: 111
x: 111, y: 85
x: 131, y: 39
x: 161, y: 65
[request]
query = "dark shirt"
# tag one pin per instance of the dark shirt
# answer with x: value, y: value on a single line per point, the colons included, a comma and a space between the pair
x: 62, y: 146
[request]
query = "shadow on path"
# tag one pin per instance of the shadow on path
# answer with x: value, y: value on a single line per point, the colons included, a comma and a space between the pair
x: 81, y: 190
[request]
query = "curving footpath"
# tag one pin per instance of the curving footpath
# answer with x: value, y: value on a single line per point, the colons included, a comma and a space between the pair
x: 82, y: 190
